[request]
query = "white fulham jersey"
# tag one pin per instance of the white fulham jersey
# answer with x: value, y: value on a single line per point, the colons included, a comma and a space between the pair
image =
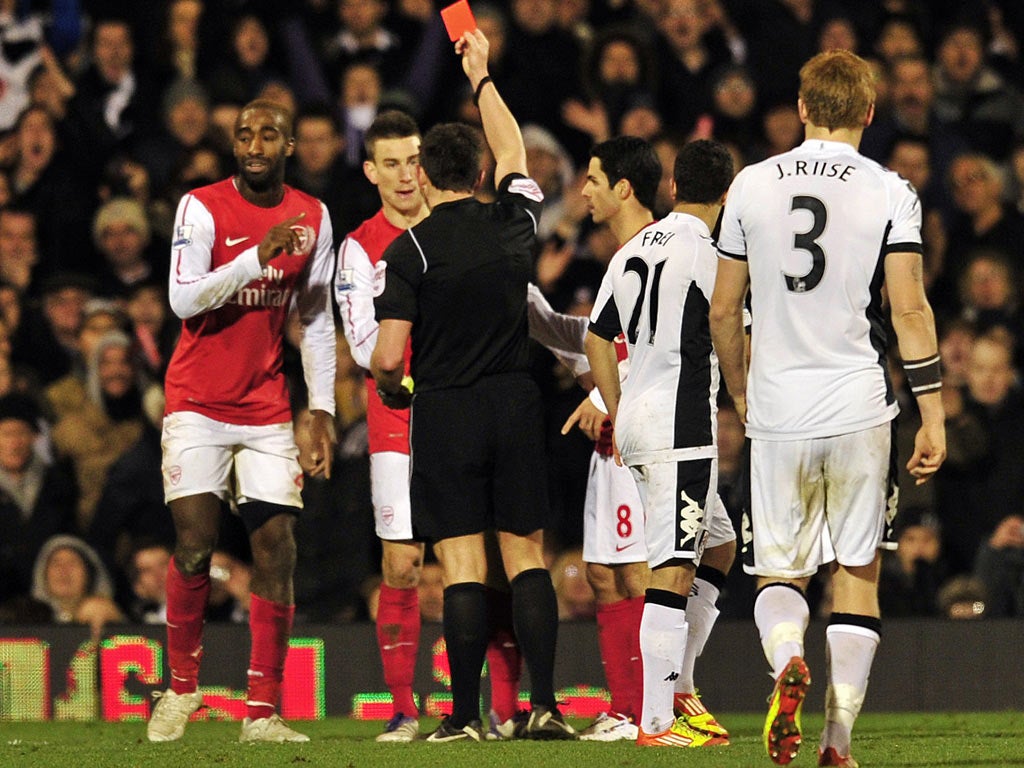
x: 814, y: 226
x: 657, y: 291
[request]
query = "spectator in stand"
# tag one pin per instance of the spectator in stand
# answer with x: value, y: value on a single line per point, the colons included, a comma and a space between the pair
x: 42, y: 180
x: 912, y: 113
x: 230, y: 589
x: 689, y: 50
x: 19, y: 252
x: 838, y: 34
x: 249, y: 65
x: 69, y: 579
x: 147, y: 575
x: 911, y: 576
x: 122, y: 236
x: 619, y: 76
x: 319, y: 169
x: 990, y: 295
x: 364, y: 38
x: 973, y: 97
x: 734, y: 107
x: 152, y: 325
x: 109, y: 422
x: 361, y: 88
x: 910, y: 157
x: 185, y: 123
x: 68, y: 394
x: 983, y: 220
x: 983, y: 483
x: 781, y: 129
x: 114, y: 102
x: 47, y: 336
x: 1000, y: 567
x: 898, y: 37
x: 37, y: 500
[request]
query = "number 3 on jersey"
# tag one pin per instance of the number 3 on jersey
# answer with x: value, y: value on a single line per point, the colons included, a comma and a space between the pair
x: 639, y: 266
x: 808, y: 241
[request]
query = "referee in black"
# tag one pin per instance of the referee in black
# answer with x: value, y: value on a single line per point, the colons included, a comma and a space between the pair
x: 456, y: 283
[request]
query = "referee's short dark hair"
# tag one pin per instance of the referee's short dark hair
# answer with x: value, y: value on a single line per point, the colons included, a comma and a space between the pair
x: 450, y: 155
x: 390, y: 124
x: 703, y: 172
x: 633, y: 159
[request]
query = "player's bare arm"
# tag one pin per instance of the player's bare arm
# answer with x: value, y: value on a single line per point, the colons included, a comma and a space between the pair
x: 321, y: 448
x: 286, y: 237
x: 500, y: 127
x: 914, y: 323
x: 727, y: 334
x: 388, y: 362
x: 604, y: 367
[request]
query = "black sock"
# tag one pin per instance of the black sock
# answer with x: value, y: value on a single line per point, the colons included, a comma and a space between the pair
x: 535, y: 613
x: 465, y: 634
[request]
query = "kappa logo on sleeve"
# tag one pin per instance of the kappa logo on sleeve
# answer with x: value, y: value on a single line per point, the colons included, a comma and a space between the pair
x: 379, y: 277
x: 528, y: 188
x: 182, y: 235
x: 346, y: 280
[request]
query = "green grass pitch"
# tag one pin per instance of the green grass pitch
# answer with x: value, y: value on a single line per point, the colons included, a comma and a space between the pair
x: 957, y: 740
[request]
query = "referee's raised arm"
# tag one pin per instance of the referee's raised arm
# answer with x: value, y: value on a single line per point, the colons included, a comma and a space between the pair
x: 500, y: 127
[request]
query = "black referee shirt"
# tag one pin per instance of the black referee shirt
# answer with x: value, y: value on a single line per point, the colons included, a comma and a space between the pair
x: 460, y: 276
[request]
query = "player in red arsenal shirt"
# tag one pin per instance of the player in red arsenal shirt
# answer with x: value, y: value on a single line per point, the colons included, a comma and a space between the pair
x: 245, y: 249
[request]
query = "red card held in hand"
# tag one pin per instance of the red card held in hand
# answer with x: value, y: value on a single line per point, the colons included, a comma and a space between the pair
x: 458, y: 19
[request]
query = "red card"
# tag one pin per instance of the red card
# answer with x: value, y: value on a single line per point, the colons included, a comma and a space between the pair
x: 458, y: 19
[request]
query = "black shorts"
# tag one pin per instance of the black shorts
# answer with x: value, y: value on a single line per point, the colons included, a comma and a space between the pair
x: 478, y: 459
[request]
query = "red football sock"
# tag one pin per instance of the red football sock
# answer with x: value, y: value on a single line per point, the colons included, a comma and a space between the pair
x: 504, y: 659
x: 618, y: 636
x: 634, y: 659
x: 398, y: 637
x: 270, y: 625
x: 186, y: 611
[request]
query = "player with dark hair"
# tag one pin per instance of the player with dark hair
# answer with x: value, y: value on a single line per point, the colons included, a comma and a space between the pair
x: 245, y: 250
x: 655, y: 294
x: 457, y: 284
x: 815, y: 233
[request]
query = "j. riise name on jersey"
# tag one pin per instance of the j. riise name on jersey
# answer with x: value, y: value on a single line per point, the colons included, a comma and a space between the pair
x: 264, y: 292
x: 820, y: 168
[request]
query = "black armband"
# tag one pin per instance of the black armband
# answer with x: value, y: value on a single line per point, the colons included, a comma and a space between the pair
x: 480, y: 87
x: 924, y: 375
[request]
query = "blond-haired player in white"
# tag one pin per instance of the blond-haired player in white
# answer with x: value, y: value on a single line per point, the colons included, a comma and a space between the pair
x: 814, y: 234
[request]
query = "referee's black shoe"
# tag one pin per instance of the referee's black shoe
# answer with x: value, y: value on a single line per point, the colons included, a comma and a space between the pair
x: 448, y: 731
x: 547, y: 723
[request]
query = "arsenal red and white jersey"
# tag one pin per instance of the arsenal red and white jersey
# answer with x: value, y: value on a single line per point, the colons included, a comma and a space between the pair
x: 656, y: 292
x: 814, y: 226
x: 354, y: 289
x: 227, y: 364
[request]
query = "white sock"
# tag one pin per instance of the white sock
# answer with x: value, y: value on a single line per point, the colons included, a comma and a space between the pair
x: 662, y: 642
x: 701, y: 614
x: 781, y: 615
x: 850, y: 651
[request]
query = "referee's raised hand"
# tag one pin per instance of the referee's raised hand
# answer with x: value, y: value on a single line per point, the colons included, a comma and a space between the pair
x: 473, y: 47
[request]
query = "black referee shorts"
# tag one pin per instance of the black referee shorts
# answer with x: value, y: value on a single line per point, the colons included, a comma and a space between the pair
x: 478, y: 459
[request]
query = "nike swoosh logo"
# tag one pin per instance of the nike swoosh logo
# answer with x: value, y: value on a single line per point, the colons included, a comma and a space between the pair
x: 395, y: 645
x: 230, y: 241
x: 620, y: 548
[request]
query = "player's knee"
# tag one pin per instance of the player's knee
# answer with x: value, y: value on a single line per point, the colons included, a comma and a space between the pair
x: 192, y: 559
x: 633, y: 579
x: 401, y: 571
x: 720, y: 557
x: 602, y: 580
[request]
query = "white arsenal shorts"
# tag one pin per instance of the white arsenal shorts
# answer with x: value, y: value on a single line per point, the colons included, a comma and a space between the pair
x: 809, y: 494
x: 613, y: 515
x: 685, y: 515
x: 233, y: 461
x: 389, y: 491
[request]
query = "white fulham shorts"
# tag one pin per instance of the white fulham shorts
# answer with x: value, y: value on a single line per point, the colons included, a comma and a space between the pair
x: 809, y: 494
x: 389, y: 491
x: 685, y: 514
x: 233, y: 461
x: 613, y: 515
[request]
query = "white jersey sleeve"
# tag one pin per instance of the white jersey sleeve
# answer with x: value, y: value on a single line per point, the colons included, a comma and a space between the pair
x: 313, y: 301
x: 562, y: 334
x: 193, y: 287
x: 353, y: 290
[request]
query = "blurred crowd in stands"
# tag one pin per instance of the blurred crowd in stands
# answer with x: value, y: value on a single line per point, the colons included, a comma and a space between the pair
x: 110, y: 110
